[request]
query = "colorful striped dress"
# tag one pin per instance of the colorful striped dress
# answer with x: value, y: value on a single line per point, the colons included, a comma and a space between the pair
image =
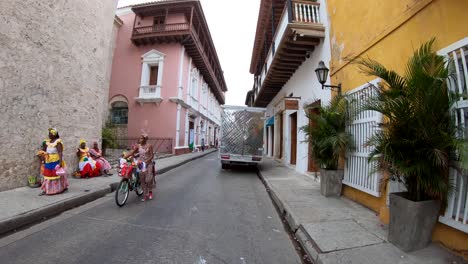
x: 88, y: 167
x: 53, y: 184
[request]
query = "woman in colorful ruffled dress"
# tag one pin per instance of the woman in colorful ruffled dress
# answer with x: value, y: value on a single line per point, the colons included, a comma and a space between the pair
x: 88, y: 167
x: 96, y: 154
x: 53, y: 160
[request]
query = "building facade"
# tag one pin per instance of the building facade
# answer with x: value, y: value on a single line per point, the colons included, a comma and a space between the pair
x: 55, y: 61
x: 292, y: 36
x: 166, y: 79
x: 397, y: 29
x: 291, y: 39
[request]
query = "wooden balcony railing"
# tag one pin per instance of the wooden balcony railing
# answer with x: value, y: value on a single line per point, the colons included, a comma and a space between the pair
x: 305, y: 12
x: 162, y: 29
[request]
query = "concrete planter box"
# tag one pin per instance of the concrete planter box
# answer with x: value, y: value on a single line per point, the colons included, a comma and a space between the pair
x: 330, y: 182
x: 411, y: 223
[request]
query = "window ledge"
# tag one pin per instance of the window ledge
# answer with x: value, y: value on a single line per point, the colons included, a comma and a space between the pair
x: 155, y: 100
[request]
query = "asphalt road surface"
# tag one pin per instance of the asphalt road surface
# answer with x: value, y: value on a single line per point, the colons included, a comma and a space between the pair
x: 200, y: 215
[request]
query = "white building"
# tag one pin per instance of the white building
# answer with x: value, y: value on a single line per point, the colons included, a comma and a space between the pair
x: 291, y: 39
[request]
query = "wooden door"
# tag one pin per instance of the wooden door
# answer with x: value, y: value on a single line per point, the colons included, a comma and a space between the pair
x: 293, y: 138
x: 312, y: 164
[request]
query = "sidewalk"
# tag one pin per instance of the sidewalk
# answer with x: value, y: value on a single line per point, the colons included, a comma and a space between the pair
x: 22, y: 206
x: 337, y: 230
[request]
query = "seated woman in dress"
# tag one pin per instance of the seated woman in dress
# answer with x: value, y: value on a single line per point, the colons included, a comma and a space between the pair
x: 96, y: 154
x: 52, y: 149
x: 88, y: 167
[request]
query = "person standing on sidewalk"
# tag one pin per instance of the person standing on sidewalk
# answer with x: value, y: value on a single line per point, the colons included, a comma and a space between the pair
x: 53, y: 160
x: 145, y: 153
x: 203, y: 145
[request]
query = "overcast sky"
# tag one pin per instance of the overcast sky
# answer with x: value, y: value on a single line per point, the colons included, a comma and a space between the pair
x: 232, y: 25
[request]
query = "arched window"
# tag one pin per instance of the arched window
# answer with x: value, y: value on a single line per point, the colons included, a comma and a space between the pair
x: 119, y: 113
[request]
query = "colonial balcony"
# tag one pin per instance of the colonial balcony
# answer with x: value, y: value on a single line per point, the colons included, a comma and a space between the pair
x: 149, y: 94
x: 160, y: 33
x: 297, y: 33
x: 181, y: 22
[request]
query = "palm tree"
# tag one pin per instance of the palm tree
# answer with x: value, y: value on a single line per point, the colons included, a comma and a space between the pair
x: 328, y: 137
x: 418, y: 139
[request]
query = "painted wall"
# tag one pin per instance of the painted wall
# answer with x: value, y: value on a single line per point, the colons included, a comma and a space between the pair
x: 397, y: 29
x: 400, y: 28
x: 302, y: 84
x: 126, y: 78
x: 46, y: 50
x: 176, y: 18
x: 156, y: 120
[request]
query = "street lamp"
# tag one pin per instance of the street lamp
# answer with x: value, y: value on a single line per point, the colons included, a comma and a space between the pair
x: 322, y: 75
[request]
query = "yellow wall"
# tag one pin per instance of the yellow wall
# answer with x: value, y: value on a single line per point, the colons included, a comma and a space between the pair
x: 389, y: 32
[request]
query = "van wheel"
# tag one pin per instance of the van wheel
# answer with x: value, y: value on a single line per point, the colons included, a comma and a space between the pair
x: 225, y: 166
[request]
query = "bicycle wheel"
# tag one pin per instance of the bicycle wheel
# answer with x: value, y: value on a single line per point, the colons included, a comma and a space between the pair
x: 121, y: 194
x: 138, y: 189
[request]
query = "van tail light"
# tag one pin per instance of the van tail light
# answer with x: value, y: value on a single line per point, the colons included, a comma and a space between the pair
x: 225, y: 157
x: 255, y: 158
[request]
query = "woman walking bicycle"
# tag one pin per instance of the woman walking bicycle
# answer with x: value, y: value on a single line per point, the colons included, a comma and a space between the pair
x: 144, y: 152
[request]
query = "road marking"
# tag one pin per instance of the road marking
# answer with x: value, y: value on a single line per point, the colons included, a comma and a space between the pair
x: 243, y: 261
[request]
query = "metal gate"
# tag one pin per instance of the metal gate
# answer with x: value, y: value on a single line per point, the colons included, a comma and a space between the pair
x: 456, y: 213
x: 358, y: 172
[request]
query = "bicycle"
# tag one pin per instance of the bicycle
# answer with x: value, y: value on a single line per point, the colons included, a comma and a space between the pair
x: 130, y: 173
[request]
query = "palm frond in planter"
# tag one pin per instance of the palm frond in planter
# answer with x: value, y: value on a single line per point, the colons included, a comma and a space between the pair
x: 419, y: 137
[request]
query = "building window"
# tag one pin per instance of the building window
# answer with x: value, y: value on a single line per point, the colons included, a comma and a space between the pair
x: 158, y: 23
x: 153, y: 75
x: 159, y: 20
x: 119, y: 113
x: 152, y: 68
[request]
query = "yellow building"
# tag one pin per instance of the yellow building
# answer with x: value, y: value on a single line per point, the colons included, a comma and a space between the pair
x: 389, y: 32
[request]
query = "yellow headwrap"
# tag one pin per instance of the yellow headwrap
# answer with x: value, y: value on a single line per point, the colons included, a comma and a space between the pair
x: 53, y: 131
x: 82, y: 141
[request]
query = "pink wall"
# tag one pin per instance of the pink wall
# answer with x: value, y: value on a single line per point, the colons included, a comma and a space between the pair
x: 126, y: 78
x: 142, y: 22
x: 176, y: 18
x: 182, y: 127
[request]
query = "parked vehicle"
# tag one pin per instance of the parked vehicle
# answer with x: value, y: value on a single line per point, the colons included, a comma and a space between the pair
x: 129, y: 171
x: 241, y: 137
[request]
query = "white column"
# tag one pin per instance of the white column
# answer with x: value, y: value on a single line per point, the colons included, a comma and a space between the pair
x: 195, y: 133
x: 189, y: 81
x: 270, y: 141
x: 181, y: 70
x: 178, y: 126
x: 160, y: 72
x: 145, y: 72
x: 186, y: 143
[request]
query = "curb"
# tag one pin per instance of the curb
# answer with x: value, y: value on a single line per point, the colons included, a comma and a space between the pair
x: 27, y: 218
x: 285, y: 211
x: 168, y: 168
x: 31, y: 217
x: 291, y: 219
x: 306, y: 244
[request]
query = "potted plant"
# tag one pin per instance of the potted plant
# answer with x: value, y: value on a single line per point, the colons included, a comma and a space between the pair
x: 329, y: 141
x: 417, y: 143
x: 108, y: 138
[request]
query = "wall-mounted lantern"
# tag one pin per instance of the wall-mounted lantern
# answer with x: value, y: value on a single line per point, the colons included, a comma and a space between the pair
x: 322, y: 75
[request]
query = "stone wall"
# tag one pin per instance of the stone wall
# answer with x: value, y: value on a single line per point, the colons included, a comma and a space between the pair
x: 54, y: 72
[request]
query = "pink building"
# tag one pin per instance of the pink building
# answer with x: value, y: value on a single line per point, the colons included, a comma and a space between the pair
x: 166, y: 77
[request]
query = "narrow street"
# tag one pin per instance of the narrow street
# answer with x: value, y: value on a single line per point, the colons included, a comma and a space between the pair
x: 200, y: 214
